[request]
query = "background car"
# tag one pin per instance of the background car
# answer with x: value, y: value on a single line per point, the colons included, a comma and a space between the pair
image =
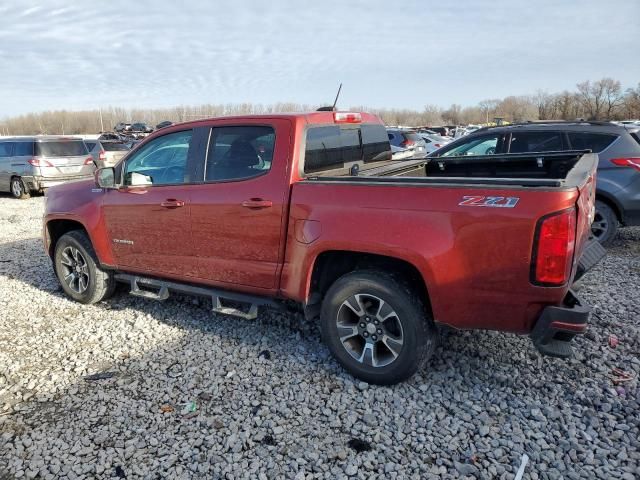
x: 434, y: 141
x: 106, y: 153
x: 399, y: 153
x: 164, y: 124
x: 122, y: 127
x: 407, y: 139
x: 618, y: 148
x: 141, y: 127
x: 34, y: 163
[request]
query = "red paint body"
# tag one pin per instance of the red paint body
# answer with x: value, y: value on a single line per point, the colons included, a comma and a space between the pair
x: 475, y: 262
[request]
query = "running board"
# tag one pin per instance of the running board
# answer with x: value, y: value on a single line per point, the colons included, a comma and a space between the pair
x: 154, y: 289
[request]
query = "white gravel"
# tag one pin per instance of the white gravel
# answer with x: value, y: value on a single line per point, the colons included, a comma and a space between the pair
x: 196, y: 395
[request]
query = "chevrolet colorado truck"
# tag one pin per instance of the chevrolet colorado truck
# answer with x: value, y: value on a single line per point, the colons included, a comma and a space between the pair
x: 253, y: 210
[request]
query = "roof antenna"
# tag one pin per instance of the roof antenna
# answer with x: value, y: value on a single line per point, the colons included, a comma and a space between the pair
x: 333, y: 107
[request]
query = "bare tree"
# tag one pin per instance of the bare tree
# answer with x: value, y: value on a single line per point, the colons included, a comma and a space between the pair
x: 489, y: 107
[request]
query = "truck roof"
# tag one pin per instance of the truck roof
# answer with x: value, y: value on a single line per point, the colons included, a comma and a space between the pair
x: 308, y: 117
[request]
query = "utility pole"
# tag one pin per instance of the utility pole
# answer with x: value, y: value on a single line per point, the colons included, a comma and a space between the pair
x: 101, y: 124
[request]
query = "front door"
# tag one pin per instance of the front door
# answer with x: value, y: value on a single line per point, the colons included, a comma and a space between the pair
x: 148, y: 217
x: 237, y: 213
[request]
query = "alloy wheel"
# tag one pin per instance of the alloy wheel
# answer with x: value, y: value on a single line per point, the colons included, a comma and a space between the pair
x: 370, y: 330
x: 600, y: 225
x: 75, y: 270
x: 16, y: 187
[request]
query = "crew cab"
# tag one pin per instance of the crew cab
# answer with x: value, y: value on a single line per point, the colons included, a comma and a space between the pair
x: 310, y: 208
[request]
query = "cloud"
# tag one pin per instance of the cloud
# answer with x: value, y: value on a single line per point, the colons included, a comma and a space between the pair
x: 157, y: 54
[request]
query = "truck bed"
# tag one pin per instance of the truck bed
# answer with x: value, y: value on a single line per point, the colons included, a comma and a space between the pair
x: 475, y: 261
x: 549, y: 169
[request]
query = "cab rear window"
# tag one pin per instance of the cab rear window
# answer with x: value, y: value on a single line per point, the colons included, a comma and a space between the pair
x: 61, y: 148
x: 330, y: 147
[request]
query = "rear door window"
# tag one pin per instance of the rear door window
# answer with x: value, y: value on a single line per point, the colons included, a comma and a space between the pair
x: 330, y: 147
x: 63, y: 148
x: 525, y: 142
x: 239, y: 153
x: 596, y: 142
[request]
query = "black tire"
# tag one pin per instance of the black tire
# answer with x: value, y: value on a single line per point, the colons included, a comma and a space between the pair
x: 605, y: 223
x: 18, y: 189
x: 99, y: 283
x: 412, y: 321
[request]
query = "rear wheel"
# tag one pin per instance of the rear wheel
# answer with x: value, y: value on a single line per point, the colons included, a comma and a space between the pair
x: 605, y: 223
x: 78, y: 270
x: 377, y: 327
x: 18, y: 190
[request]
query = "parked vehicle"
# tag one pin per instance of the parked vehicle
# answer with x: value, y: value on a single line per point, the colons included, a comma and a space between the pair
x: 433, y: 141
x: 106, y: 153
x: 618, y: 187
x: 399, y: 153
x: 248, y: 210
x: 164, y: 124
x: 122, y: 127
x: 32, y: 164
x: 141, y: 127
x: 444, y: 131
x: 409, y: 140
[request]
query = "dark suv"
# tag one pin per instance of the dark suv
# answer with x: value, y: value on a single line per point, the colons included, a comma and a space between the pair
x: 618, y: 183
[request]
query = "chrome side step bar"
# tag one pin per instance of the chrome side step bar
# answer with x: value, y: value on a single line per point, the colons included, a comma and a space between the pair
x: 155, y: 289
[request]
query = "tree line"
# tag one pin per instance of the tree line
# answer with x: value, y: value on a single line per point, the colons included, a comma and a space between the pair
x: 603, y: 99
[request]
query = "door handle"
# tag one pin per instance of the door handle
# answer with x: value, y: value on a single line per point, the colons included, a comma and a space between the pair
x: 172, y: 203
x: 257, y: 203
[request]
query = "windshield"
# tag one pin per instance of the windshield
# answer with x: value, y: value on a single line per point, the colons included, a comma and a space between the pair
x: 61, y: 148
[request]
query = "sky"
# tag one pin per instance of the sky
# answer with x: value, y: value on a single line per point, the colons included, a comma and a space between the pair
x: 89, y: 54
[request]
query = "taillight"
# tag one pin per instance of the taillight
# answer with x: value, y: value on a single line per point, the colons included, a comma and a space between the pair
x: 38, y: 162
x: 102, y: 156
x: 553, y: 248
x: 89, y: 160
x: 347, y: 117
x: 407, y: 143
x: 437, y: 145
x: 627, y: 162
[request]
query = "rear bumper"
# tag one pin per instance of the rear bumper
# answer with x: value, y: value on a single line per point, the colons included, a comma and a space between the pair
x: 558, y: 324
x: 40, y: 183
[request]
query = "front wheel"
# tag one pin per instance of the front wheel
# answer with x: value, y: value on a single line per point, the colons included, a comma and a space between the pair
x: 78, y: 270
x: 605, y: 223
x: 377, y: 327
x: 18, y: 190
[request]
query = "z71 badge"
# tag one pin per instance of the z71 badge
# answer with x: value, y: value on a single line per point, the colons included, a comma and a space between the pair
x: 482, y: 201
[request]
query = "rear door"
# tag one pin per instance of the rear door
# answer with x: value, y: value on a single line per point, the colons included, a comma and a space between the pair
x: 148, y: 217
x: 238, y: 211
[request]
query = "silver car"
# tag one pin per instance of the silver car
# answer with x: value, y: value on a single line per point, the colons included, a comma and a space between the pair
x: 32, y: 164
x: 106, y: 153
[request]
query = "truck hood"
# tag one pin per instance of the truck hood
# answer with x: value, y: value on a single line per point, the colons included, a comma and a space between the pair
x: 68, y: 197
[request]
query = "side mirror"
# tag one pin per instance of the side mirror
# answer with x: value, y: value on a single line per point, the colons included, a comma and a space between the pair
x: 105, y: 177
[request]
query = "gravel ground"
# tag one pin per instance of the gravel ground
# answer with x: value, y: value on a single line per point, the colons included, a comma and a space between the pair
x: 189, y: 394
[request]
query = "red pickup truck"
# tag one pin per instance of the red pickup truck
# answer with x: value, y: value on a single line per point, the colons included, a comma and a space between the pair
x: 310, y: 207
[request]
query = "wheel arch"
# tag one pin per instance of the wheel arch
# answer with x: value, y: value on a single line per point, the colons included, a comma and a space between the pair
x: 612, y: 202
x: 330, y: 265
x: 56, y: 228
